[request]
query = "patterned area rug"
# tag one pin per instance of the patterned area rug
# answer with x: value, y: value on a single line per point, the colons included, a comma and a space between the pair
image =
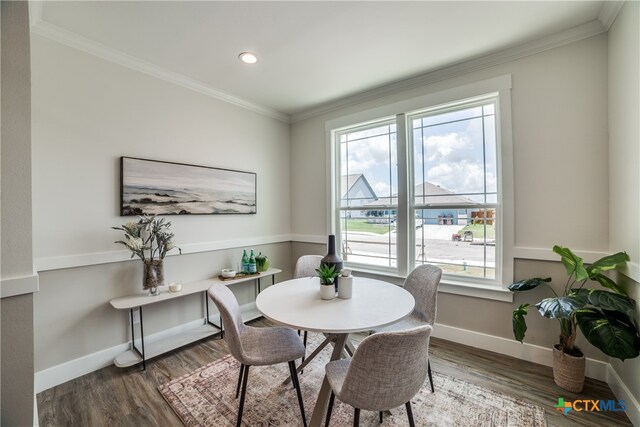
x: 206, y: 397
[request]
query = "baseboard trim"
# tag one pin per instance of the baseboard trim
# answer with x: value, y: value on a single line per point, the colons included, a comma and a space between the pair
x: 596, y: 369
x: 59, y: 374
x: 56, y: 375
x: 36, y: 421
x: 622, y: 392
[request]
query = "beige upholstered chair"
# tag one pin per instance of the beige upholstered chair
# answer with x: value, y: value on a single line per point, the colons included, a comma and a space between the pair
x: 256, y: 346
x: 386, y: 371
x: 423, y: 284
x: 306, y: 267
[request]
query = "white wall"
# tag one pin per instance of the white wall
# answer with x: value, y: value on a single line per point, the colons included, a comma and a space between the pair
x: 559, y: 100
x: 624, y: 158
x: 559, y: 118
x: 87, y: 112
x: 18, y: 282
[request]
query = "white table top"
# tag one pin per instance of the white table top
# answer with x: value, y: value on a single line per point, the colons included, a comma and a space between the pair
x: 296, y: 303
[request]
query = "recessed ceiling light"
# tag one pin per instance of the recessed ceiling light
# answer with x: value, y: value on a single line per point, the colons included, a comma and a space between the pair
x: 248, y: 57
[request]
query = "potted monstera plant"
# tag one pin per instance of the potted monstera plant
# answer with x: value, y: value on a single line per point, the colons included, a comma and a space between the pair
x: 605, y: 316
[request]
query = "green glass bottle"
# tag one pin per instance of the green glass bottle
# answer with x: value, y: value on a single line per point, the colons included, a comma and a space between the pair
x: 245, y: 262
x: 252, y: 263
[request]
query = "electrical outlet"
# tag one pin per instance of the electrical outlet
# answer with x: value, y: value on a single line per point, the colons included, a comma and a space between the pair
x: 136, y: 317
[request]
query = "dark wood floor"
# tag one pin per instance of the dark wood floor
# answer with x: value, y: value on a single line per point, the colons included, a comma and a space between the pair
x: 128, y: 397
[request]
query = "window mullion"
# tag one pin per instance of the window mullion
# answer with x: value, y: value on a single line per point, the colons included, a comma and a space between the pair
x: 403, y: 237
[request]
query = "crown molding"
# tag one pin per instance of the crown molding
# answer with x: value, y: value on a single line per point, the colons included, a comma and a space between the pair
x: 562, y: 38
x: 76, y: 41
x: 609, y: 12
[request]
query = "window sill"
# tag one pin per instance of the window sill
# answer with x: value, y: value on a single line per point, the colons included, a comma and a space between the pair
x: 447, y: 286
x: 476, y: 291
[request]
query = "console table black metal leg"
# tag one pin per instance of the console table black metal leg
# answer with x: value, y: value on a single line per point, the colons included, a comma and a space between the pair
x: 206, y: 303
x: 133, y: 338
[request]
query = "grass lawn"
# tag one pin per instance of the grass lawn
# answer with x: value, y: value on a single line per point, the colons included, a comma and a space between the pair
x: 478, y: 231
x: 363, y: 225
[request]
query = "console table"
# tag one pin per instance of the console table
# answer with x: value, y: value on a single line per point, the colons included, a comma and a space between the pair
x: 135, y: 302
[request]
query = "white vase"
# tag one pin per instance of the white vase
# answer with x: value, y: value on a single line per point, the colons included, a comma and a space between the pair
x: 327, y: 291
x: 345, y: 287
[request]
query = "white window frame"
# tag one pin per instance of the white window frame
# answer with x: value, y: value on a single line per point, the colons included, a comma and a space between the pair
x: 500, y: 87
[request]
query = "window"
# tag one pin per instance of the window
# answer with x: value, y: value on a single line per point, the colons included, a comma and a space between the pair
x: 427, y: 185
x: 368, y: 194
x: 455, y: 188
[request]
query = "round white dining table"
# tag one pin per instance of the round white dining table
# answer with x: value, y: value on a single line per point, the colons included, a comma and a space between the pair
x: 296, y: 303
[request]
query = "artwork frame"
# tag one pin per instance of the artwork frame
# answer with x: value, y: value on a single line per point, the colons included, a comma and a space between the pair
x: 157, y: 187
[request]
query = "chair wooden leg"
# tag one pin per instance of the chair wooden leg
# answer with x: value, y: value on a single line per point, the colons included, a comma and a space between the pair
x: 410, y: 414
x: 243, y: 395
x: 296, y: 384
x: 356, y: 417
x: 330, y: 408
x: 239, y: 380
x: 381, y: 417
x: 430, y: 376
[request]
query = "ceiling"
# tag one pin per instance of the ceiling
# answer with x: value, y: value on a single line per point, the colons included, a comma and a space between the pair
x: 312, y: 53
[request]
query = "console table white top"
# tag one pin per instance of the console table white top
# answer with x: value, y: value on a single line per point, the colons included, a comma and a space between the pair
x: 142, y: 299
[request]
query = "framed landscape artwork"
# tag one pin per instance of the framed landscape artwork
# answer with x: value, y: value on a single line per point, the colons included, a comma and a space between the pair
x: 151, y: 187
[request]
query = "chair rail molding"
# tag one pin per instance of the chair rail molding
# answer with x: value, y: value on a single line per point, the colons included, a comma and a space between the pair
x: 94, y: 258
x: 20, y: 285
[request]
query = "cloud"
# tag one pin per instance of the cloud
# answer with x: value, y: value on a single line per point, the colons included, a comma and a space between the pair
x: 365, y: 154
x: 382, y: 189
x: 454, y: 162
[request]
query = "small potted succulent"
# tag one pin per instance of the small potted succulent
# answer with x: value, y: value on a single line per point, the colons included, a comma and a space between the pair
x: 327, y: 275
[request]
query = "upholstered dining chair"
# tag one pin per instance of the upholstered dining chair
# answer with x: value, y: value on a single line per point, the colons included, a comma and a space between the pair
x: 423, y: 284
x: 306, y: 267
x: 256, y: 346
x: 386, y: 371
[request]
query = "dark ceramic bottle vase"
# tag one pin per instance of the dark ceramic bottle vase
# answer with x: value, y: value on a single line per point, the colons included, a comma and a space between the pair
x: 332, y: 258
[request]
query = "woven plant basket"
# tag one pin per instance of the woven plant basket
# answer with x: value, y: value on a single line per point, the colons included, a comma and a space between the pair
x: 568, y: 371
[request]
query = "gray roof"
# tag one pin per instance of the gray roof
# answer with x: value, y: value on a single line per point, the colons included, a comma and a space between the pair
x: 348, y: 181
x: 433, y: 195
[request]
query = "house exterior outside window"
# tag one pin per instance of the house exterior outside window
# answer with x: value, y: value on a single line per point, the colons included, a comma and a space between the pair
x: 428, y: 184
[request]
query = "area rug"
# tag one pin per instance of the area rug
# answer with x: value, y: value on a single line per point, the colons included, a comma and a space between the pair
x: 206, y: 397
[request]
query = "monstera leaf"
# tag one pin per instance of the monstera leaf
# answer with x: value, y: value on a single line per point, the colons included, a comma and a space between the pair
x: 558, y: 307
x: 608, y: 283
x: 519, y: 324
x: 608, y: 263
x: 572, y: 263
x: 528, y: 284
x: 610, y: 331
x: 604, y: 300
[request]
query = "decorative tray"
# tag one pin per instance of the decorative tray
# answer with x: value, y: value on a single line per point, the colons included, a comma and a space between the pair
x: 238, y: 276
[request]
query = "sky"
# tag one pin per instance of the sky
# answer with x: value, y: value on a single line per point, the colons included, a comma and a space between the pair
x: 453, y: 155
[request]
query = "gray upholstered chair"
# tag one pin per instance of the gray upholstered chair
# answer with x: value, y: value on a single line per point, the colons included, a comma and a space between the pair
x: 256, y: 346
x: 306, y: 267
x: 423, y: 284
x: 386, y: 371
